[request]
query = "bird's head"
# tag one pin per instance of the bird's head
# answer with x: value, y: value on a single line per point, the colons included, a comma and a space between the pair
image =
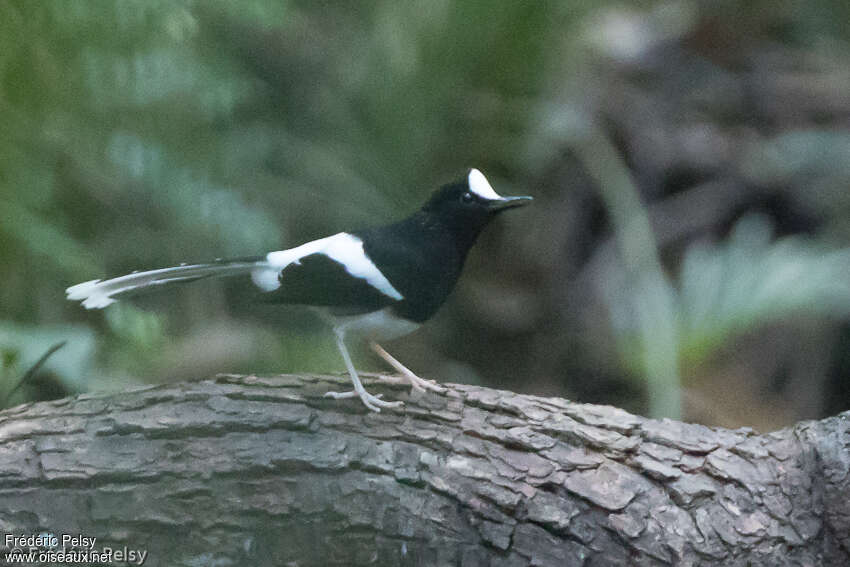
x: 469, y: 203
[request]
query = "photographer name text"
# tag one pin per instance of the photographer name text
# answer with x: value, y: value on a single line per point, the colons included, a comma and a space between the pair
x: 68, y: 549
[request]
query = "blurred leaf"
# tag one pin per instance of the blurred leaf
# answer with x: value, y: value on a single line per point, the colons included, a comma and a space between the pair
x: 809, y: 153
x: 140, y: 133
x: 73, y: 365
x: 135, y: 328
x: 750, y: 280
x: 727, y: 289
x: 641, y: 301
x: 219, y: 216
x: 45, y: 242
x: 32, y: 371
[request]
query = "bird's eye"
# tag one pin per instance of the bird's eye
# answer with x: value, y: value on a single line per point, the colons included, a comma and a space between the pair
x: 466, y: 197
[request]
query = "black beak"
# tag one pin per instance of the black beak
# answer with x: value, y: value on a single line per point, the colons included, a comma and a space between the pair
x: 504, y: 203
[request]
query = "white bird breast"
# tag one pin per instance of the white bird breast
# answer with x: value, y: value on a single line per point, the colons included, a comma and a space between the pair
x: 381, y: 325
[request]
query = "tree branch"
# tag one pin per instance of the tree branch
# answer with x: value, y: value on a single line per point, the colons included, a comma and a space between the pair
x: 265, y: 471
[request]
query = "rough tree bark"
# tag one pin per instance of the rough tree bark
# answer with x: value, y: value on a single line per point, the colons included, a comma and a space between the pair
x: 264, y: 471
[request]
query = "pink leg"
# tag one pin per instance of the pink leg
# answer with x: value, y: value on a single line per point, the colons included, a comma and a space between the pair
x: 415, y: 381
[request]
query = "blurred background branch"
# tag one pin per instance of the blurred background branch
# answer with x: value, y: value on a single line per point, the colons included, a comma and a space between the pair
x: 644, y: 295
x: 690, y: 162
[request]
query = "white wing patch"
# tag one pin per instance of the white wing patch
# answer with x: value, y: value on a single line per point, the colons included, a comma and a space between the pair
x: 344, y: 248
x: 479, y: 185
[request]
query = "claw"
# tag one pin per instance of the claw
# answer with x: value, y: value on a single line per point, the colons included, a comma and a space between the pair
x: 346, y: 395
x: 374, y: 403
x: 415, y: 381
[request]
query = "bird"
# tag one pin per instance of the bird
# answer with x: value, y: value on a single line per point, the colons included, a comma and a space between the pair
x: 377, y: 284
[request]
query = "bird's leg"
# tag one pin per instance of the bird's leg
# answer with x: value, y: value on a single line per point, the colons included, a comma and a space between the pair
x: 415, y: 381
x: 374, y: 403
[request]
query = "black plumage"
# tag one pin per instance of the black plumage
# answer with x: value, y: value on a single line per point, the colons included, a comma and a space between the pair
x: 319, y: 281
x: 378, y: 283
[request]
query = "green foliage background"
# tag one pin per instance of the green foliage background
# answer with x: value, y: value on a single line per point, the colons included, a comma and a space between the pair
x: 140, y: 133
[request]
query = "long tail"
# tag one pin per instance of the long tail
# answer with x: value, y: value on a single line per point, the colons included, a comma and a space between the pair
x: 97, y: 294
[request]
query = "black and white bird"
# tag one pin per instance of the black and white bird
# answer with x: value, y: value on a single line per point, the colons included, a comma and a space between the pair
x: 379, y: 284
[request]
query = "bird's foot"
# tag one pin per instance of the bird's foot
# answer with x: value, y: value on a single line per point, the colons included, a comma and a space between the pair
x: 415, y: 381
x: 421, y: 384
x: 374, y: 403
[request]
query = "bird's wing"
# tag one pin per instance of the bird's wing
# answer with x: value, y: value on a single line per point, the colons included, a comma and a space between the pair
x: 331, y: 272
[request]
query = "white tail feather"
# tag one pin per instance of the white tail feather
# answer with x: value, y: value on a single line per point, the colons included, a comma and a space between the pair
x: 97, y: 294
